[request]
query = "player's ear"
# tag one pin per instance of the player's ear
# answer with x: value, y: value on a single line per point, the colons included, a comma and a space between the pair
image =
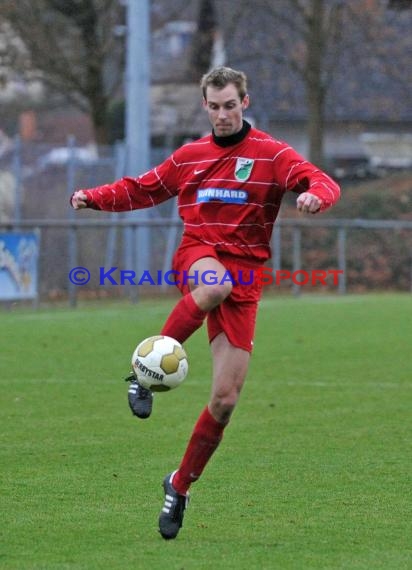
x: 245, y: 102
x: 204, y: 103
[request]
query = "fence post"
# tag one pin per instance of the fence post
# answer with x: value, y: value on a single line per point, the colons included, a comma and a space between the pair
x: 119, y: 168
x: 17, y: 169
x: 277, y: 248
x: 171, y: 242
x: 297, y: 257
x: 342, y: 260
x: 134, y: 290
x: 411, y: 277
x: 72, y: 233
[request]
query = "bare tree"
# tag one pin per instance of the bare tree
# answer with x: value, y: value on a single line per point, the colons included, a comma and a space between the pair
x: 300, y: 37
x: 400, y: 4
x: 71, y: 46
x: 203, y: 39
x: 309, y: 49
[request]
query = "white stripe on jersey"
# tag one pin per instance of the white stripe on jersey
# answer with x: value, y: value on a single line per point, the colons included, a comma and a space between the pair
x: 291, y: 170
x: 247, y: 245
x: 268, y: 139
x: 233, y: 180
x: 226, y: 158
x: 162, y: 183
x: 224, y: 224
x: 281, y: 152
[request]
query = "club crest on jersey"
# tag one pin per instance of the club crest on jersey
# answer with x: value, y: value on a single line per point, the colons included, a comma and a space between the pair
x: 243, y: 168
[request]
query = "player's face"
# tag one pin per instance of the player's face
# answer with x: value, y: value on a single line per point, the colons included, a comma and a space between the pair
x: 225, y: 109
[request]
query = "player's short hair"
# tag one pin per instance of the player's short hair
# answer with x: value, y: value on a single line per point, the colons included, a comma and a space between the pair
x: 222, y: 76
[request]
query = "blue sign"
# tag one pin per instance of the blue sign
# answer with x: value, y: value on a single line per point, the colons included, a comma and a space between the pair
x: 19, y: 254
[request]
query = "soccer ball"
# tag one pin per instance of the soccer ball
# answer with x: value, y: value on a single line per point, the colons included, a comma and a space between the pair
x: 160, y: 363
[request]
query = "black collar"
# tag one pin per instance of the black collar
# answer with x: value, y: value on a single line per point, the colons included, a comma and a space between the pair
x: 232, y: 139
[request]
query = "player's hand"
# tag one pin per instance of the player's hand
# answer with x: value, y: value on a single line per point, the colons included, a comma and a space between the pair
x: 307, y: 202
x: 78, y: 200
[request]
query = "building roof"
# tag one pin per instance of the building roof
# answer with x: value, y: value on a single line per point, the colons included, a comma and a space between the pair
x: 176, y: 107
x: 365, y: 85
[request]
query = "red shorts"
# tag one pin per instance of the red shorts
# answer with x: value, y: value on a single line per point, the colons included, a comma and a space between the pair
x: 236, y: 315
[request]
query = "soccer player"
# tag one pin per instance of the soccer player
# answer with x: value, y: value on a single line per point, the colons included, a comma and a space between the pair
x: 229, y: 185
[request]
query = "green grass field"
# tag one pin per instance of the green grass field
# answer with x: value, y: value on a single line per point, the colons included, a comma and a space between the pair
x: 313, y: 473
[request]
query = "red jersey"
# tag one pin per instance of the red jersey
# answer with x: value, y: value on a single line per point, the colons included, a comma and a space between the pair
x: 228, y: 196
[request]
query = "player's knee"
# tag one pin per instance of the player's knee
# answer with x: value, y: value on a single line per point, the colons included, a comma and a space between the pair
x: 222, y: 405
x: 216, y: 293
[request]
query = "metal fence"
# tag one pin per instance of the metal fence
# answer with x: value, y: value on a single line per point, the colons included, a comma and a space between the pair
x: 37, y: 180
x: 322, y: 255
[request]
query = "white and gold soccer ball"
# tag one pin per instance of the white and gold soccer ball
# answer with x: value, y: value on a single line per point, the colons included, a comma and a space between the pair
x: 160, y: 363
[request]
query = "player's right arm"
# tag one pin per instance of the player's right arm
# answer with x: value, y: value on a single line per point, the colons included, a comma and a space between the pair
x: 147, y: 190
x: 317, y: 191
x: 78, y: 200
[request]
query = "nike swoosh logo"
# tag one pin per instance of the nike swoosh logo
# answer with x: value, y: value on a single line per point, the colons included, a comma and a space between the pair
x: 199, y: 171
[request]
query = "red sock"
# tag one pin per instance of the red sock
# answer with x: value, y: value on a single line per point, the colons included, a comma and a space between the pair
x: 206, y: 436
x: 184, y: 320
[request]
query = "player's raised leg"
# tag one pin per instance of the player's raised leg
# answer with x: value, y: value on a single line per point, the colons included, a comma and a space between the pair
x: 187, y: 316
x: 207, y: 291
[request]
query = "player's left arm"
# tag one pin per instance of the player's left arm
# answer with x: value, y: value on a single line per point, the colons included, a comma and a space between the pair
x: 317, y: 191
x: 308, y: 202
